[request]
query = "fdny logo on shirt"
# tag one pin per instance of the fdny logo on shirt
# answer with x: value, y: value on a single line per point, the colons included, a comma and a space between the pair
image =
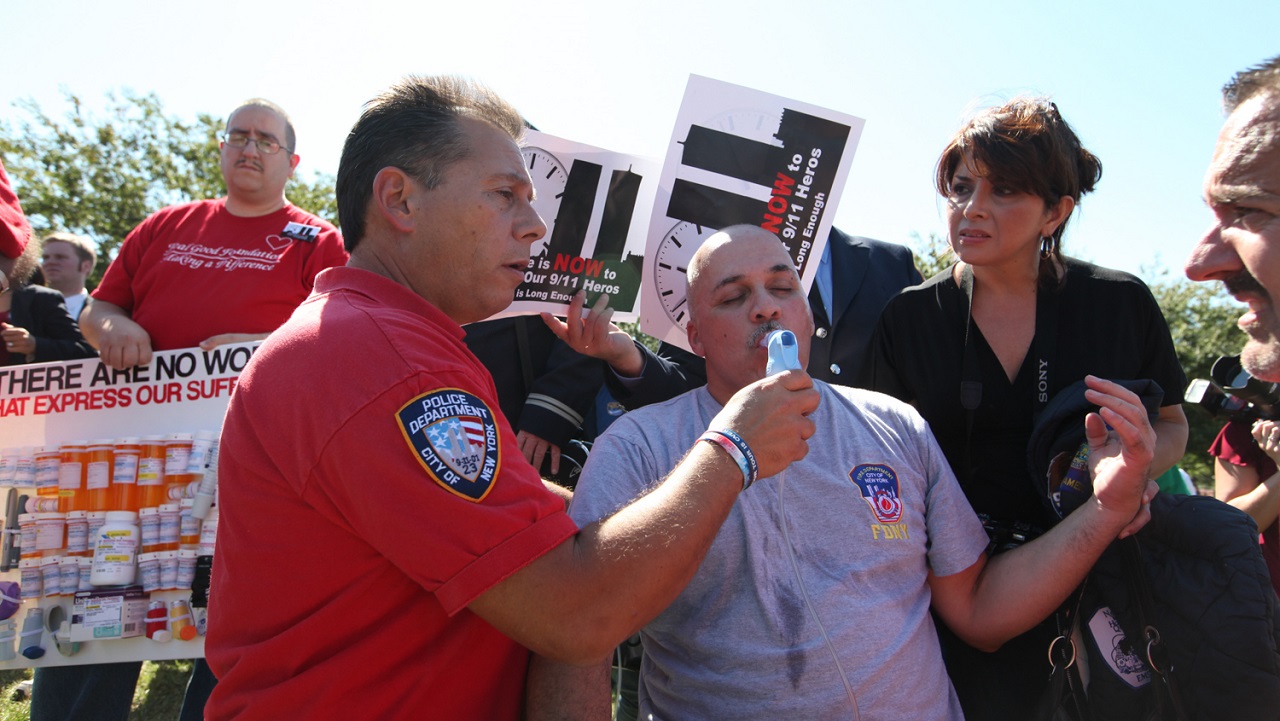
x: 455, y: 438
x: 879, y: 486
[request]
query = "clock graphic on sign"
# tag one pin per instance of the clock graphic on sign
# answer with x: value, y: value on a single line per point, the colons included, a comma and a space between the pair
x: 671, y: 268
x: 747, y: 123
x: 549, y: 180
x: 676, y: 249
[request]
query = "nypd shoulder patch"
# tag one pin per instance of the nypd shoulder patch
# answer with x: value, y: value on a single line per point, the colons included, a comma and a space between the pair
x: 879, y: 486
x: 453, y: 435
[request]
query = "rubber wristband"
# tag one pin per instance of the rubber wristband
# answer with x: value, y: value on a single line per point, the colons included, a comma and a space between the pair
x: 738, y: 450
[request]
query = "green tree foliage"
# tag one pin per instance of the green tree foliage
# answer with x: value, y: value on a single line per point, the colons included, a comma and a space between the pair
x: 1202, y: 321
x: 645, y: 339
x: 100, y: 174
x: 316, y: 196
x: 933, y: 254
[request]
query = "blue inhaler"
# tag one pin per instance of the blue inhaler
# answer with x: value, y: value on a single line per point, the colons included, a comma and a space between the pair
x: 784, y: 353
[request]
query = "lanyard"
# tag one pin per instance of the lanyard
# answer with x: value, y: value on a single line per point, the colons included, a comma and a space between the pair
x: 1043, y: 349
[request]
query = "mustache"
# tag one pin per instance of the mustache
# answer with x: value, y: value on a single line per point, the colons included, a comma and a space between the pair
x: 1244, y: 282
x: 761, y: 331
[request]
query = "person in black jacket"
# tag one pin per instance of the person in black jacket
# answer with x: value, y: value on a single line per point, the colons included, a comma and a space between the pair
x: 34, y: 323
x: 545, y: 388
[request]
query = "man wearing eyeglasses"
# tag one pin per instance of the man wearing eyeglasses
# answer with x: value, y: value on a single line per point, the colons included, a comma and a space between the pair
x: 216, y: 271
x: 202, y: 274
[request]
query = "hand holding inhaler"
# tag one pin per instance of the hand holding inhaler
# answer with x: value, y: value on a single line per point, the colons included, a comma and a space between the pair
x: 784, y: 352
x: 767, y: 414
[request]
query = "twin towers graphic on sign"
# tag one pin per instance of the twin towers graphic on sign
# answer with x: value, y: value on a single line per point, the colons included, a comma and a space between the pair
x: 715, y: 151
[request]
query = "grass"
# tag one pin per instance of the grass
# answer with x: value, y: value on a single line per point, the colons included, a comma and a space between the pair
x: 158, y: 696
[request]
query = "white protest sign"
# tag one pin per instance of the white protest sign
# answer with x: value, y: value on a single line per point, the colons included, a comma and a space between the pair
x: 739, y: 155
x: 596, y: 206
x: 47, y: 404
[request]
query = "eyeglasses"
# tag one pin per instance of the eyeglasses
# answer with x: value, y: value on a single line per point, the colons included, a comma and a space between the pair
x: 265, y: 146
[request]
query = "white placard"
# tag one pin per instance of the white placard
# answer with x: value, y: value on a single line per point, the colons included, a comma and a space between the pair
x: 739, y: 155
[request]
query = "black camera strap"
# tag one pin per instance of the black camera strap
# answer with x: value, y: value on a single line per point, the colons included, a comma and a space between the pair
x: 1044, y: 344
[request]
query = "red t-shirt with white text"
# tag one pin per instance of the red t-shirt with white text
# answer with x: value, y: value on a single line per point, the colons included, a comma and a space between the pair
x: 189, y: 272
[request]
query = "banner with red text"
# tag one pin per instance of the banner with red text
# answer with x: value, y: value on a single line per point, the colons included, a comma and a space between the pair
x: 179, y: 390
x: 47, y: 404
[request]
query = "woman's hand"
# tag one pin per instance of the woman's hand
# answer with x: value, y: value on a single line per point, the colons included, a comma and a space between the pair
x: 1267, y: 435
x: 17, y: 341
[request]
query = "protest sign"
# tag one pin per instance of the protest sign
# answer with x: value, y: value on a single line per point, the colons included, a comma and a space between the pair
x: 741, y: 156
x: 596, y: 206
x: 47, y: 404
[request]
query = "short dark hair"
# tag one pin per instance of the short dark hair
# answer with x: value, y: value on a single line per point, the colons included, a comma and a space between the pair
x: 290, y: 138
x: 1025, y: 145
x: 82, y: 245
x: 1263, y: 77
x: 413, y: 126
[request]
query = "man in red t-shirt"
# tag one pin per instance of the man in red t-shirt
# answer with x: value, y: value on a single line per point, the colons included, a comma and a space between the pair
x: 384, y: 549
x: 205, y: 273
x: 216, y: 271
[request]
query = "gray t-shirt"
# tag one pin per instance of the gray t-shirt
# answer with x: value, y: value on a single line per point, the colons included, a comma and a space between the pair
x: 861, y: 519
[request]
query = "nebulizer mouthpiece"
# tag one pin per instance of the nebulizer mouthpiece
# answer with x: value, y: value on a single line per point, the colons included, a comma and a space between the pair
x: 784, y: 352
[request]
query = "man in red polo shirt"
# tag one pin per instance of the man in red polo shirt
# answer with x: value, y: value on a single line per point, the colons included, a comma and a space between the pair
x: 384, y: 550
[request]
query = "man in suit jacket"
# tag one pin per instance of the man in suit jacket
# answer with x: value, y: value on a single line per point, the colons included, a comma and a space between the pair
x: 863, y: 275
x: 34, y: 324
x: 858, y: 295
x: 547, y: 391
x: 67, y: 260
x: 40, y: 329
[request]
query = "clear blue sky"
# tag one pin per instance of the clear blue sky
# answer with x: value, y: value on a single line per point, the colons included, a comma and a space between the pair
x: 1138, y: 80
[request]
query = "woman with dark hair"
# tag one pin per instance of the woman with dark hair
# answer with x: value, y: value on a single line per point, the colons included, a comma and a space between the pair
x: 1013, y: 322
x: 34, y: 323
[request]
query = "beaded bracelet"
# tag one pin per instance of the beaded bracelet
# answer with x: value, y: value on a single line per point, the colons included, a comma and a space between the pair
x: 738, y: 450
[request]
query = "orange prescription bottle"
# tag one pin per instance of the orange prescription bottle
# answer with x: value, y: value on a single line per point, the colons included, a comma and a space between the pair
x: 180, y: 624
x: 149, y: 527
x: 177, y: 451
x: 8, y: 465
x: 51, y: 533
x: 97, y: 476
x: 24, y: 467
x: 47, y: 459
x: 124, y: 475
x: 27, y: 528
x: 178, y: 486
x: 96, y: 520
x: 151, y: 490
x: 188, y: 525
x: 36, y: 504
x: 170, y: 526
x: 77, y: 533
x: 72, y: 467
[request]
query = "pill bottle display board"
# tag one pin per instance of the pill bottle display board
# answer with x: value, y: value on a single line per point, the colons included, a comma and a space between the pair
x: 179, y: 393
